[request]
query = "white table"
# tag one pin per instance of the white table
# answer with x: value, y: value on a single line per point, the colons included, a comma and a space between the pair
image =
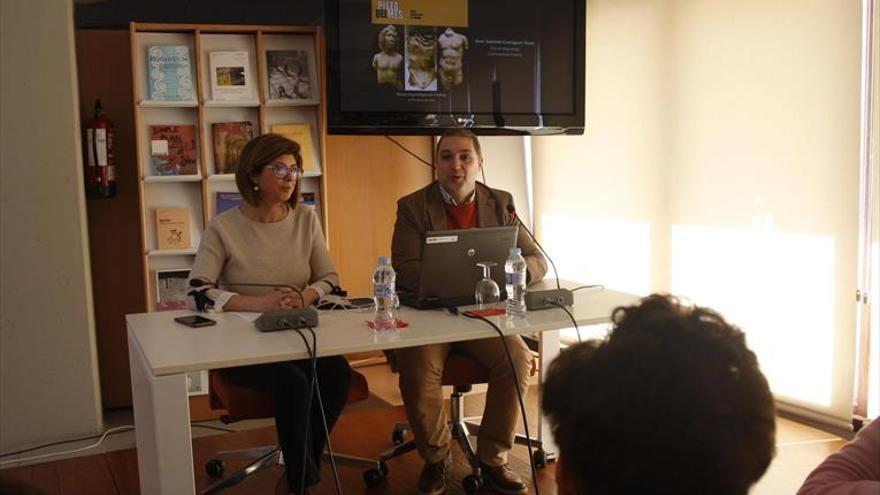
x: 161, y: 352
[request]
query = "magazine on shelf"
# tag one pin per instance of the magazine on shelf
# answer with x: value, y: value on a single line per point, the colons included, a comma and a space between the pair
x: 289, y: 76
x: 302, y: 134
x: 169, y: 69
x: 173, y: 228
x: 171, y: 289
x: 173, y: 149
x: 230, y: 76
x: 226, y: 200
x: 229, y: 139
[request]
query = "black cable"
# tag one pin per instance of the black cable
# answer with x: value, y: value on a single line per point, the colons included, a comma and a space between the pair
x: 522, y: 406
x: 573, y: 322
x: 404, y: 148
x: 595, y: 286
x: 323, y: 414
x: 302, y: 481
x: 92, y: 437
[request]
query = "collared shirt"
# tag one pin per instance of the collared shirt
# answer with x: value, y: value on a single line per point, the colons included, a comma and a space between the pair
x: 450, y: 199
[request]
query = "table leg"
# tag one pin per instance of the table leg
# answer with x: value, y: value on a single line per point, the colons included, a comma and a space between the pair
x: 548, y: 349
x: 162, y: 430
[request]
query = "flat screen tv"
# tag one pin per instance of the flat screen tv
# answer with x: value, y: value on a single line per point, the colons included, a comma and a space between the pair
x: 422, y: 66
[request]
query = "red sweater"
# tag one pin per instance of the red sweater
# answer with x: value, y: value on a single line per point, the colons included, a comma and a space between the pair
x: 461, y: 216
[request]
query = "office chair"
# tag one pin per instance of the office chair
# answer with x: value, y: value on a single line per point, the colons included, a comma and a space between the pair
x: 246, y: 403
x: 462, y: 372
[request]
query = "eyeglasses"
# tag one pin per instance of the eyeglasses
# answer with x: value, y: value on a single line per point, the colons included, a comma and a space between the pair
x: 282, y: 170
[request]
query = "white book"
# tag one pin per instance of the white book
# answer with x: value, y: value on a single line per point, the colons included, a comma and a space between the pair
x: 231, y: 78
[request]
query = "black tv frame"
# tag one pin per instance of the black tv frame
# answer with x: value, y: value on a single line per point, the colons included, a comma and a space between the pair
x: 412, y: 123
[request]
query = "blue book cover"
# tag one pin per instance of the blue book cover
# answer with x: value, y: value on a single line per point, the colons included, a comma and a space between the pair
x: 227, y: 200
x: 170, y: 73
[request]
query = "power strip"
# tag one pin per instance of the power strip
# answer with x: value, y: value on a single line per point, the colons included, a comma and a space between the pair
x: 545, y: 299
x: 285, y: 319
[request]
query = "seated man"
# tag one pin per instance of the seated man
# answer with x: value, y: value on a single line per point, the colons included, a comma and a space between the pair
x: 456, y: 201
x: 672, y: 401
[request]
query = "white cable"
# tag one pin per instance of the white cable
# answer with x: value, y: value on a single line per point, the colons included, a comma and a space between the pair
x: 55, y: 454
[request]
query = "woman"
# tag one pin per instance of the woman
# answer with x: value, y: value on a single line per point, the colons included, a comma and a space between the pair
x: 269, y: 240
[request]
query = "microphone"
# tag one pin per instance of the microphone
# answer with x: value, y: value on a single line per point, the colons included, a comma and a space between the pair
x: 277, y: 319
x: 543, y: 299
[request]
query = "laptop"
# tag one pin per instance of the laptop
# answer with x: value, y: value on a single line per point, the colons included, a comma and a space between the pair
x: 449, y: 271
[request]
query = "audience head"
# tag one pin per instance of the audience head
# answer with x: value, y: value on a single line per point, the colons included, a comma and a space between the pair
x: 261, y: 175
x: 672, y: 401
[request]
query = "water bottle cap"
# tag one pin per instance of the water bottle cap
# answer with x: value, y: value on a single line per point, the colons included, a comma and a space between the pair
x: 515, y: 250
x: 384, y: 260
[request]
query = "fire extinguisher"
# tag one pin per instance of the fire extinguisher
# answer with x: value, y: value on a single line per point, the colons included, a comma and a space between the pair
x: 100, y: 163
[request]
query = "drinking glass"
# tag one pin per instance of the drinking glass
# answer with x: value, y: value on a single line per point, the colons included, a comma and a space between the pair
x: 486, y: 292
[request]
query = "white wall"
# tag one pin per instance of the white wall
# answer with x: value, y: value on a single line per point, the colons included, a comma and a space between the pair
x: 763, y: 178
x: 720, y: 162
x: 599, y: 208
x: 48, y: 365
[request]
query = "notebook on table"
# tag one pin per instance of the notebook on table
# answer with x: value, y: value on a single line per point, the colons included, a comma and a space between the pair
x: 449, y: 271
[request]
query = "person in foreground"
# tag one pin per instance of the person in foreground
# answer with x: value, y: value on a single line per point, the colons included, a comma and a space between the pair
x: 269, y: 239
x: 456, y: 201
x: 672, y: 401
x: 854, y: 470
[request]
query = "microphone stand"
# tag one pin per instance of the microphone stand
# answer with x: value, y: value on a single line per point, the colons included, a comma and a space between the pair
x: 543, y: 299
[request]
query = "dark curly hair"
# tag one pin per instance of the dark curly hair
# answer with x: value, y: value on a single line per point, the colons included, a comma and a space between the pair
x: 672, y: 401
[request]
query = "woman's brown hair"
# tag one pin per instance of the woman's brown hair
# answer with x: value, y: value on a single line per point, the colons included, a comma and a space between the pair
x: 257, y: 153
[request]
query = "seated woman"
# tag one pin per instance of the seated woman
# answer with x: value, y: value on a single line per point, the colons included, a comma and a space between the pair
x: 268, y: 239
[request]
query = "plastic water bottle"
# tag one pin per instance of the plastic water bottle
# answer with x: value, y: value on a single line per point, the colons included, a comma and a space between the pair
x: 515, y: 276
x: 385, y: 302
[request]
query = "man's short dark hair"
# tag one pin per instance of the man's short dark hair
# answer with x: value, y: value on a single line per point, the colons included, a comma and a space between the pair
x: 672, y: 401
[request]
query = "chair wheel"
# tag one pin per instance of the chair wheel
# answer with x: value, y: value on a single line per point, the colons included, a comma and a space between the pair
x: 383, y: 466
x: 398, y: 436
x: 372, y: 477
x: 214, y: 468
x: 471, y: 483
x: 540, y: 458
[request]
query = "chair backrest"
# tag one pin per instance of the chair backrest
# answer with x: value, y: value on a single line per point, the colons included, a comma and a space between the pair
x: 460, y: 369
x: 243, y: 402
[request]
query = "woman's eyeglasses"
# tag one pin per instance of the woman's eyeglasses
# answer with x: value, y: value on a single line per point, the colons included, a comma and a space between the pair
x: 282, y: 170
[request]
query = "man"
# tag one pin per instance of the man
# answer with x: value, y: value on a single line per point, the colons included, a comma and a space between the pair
x: 672, y: 401
x: 456, y: 201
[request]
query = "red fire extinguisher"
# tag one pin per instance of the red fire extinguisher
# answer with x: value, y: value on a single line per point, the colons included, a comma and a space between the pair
x: 100, y: 163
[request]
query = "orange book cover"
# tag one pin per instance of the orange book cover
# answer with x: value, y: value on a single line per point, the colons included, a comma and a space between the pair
x: 173, y: 228
x: 173, y: 149
x: 302, y: 134
x: 229, y: 139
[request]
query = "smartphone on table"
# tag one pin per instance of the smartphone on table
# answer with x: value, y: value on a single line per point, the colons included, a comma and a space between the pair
x: 195, y: 321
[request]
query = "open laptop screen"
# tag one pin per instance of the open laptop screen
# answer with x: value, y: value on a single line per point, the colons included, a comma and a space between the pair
x: 449, y: 271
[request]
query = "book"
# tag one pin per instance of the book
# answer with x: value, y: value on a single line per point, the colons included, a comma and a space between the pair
x: 171, y: 289
x: 289, y: 76
x: 173, y: 228
x: 173, y: 149
x: 230, y: 76
x: 229, y: 139
x: 307, y: 199
x: 169, y: 69
x: 226, y: 200
x: 302, y: 134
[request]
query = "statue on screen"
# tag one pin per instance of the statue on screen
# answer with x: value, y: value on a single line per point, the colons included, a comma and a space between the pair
x: 421, y: 46
x: 452, y: 47
x: 388, y: 61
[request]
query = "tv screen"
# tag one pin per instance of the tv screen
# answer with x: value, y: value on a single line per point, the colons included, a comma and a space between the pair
x: 421, y: 66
